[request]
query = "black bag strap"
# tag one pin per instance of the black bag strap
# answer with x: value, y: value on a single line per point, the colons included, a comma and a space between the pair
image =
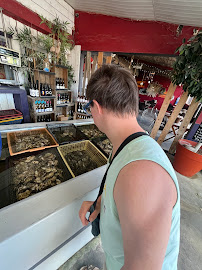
x: 124, y: 143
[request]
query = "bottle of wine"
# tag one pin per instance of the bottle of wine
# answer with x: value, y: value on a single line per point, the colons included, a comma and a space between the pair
x: 42, y: 106
x: 66, y: 98
x: 47, y: 106
x: 37, y: 88
x: 36, y: 106
x: 32, y: 92
x: 43, y: 91
x: 39, y: 106
x: 50, y: 90
x: 50, y: 106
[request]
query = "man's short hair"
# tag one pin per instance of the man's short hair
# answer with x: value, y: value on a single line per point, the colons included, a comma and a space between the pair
x: 115, y: 89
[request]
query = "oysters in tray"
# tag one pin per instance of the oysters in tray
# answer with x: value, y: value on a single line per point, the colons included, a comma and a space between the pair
x: 35, y: 173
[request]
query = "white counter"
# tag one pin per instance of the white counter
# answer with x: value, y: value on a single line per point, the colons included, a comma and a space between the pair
x: 44, y: 230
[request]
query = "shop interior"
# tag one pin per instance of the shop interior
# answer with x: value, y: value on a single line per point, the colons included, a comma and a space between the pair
x: 52, y: 155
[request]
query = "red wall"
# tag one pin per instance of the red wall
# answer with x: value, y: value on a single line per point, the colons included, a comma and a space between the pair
x: 95, y: 32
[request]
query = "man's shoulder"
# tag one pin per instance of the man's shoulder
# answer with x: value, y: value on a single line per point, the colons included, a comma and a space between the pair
x: 146, y: 177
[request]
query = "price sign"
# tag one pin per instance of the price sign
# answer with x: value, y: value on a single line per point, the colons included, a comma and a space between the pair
x: 9, y: 57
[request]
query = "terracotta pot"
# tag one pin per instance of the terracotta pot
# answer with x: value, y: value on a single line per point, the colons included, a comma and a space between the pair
x: 187, y: 162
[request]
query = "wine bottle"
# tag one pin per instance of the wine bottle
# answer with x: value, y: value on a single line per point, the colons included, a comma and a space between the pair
x: 50, y: 90
x: 39, y: 106
x: 43, y: 90
x: 50, y: 106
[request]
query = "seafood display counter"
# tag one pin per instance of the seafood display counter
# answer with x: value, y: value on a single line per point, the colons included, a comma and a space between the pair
x: 43, y: 230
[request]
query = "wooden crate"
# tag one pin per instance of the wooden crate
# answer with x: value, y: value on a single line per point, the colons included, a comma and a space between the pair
x: 32, y: 108
x: 61, y: 72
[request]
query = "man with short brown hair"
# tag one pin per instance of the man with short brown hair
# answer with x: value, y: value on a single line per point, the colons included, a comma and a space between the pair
x: 140, y: 204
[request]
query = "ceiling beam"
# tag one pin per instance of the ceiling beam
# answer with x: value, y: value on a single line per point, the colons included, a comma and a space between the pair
x: 17, y: 11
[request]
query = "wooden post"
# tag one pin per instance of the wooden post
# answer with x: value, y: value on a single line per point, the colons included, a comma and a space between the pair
x: 109, y: 60
x: 88, y: 65
x: 163, y: 109
x: 173, y: 117
x: 84, y: 78
x: 94, y: 64
x: 100, y: 59
x: 190, y: 112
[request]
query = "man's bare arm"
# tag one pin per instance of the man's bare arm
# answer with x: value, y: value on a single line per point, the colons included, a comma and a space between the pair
x: 144, y: 194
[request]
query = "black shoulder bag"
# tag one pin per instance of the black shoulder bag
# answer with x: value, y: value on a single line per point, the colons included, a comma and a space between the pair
x: 96, y: 223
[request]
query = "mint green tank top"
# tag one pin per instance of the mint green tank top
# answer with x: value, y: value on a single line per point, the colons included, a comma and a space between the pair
x: 142, y: 148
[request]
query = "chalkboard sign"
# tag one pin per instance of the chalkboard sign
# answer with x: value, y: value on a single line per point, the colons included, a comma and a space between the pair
x: 195, y: 132
x: 198, y: 134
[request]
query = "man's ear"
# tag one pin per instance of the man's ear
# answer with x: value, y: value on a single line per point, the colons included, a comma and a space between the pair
x: 98, y: 106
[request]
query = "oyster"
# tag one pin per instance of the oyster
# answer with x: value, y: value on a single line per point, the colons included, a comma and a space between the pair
x: 35, y: 173
x: 80, y: 162
x: 92, y: 133
x: 106, y: 146
x: 32, y: 141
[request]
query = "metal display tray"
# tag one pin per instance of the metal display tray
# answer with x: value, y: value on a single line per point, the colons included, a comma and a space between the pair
x: 58, y: 130
x: 90, y: 127
x: 7, y: 195
x: 96, y: 142
x: 95, y: 155
x: 7, y: 180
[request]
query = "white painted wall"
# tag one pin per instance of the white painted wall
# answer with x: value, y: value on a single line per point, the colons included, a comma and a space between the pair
x: 47, y: 8
x: 52, y: 8
x: 6, y: 102
x: 74, y: 60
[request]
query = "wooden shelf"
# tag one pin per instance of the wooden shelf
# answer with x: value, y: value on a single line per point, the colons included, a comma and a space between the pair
x: 84, y: 114
x: 45, y: 72
x: 65, y: 89
x: 61, y: 66
x: 42, y: 97
x: 66, y: 104
x: 42, y: 113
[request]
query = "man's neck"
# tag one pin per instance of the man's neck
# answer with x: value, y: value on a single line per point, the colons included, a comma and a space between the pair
x: 118, y: 129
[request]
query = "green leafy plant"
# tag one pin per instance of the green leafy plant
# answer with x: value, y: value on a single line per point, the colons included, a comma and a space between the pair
x: 57, y: 43
x: 60, y: 38
x: 187, y: 69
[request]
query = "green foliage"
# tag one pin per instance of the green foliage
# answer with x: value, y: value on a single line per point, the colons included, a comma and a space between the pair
x: 59, y: 31
x: 45, y: 42
x: 70, y: 75
x: 25, y: 38
x: 39, y: 48
x: 187, y: 70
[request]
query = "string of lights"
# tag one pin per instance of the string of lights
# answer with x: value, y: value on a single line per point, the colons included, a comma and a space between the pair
x: 149, y: 68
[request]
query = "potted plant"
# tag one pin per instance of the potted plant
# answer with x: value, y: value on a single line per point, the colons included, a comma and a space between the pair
x: 187, y: 70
